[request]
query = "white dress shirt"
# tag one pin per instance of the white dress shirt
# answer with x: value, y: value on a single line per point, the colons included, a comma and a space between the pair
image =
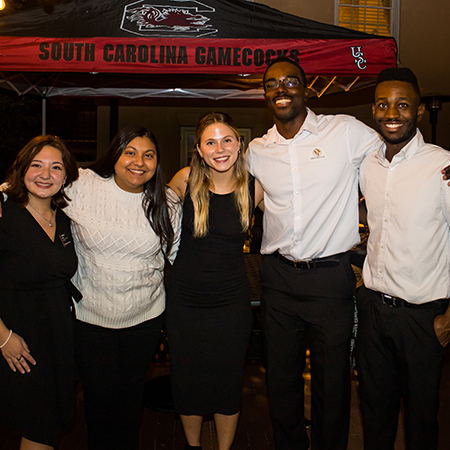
x: 408, y: 252
x: 311, y: 185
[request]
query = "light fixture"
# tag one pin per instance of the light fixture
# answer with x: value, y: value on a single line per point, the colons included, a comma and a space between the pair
x: 2, y: 4
x: 433, y: 104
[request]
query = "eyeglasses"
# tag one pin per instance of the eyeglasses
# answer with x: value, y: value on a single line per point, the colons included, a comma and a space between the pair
x: 288, y: 82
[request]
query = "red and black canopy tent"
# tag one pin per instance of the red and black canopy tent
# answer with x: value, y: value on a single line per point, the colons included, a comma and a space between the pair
x: 176, y: 48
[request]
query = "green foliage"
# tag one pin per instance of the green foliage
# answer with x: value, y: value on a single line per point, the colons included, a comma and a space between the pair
x: 20, y: 120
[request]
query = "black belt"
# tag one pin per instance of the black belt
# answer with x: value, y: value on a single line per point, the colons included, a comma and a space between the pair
x: 395, y: 302
x: 328, y: 261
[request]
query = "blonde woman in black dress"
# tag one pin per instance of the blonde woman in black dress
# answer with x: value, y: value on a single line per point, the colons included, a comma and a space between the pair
x: 208, y: 306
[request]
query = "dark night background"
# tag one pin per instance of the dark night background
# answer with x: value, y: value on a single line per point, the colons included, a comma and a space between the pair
x: 20, y: 116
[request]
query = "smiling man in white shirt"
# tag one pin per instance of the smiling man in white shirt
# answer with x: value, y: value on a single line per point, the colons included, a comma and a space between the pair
x: 403, y: 309
x: 308, y: 166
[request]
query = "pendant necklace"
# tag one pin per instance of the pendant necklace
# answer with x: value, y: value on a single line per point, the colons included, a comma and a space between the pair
x: 50, y: 223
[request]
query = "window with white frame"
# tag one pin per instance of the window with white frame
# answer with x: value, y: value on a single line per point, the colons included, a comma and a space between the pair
x: 370, y: 16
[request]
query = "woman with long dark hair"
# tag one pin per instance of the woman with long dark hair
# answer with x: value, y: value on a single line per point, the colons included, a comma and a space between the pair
x: 124, y: 227
x: 208, y: 307
x: 37, y: 261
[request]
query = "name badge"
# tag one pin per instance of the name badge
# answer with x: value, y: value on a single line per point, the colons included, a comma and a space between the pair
x: 65, y: 239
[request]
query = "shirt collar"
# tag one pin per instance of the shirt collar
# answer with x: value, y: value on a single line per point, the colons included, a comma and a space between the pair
x: 309, y: 126
x: 407, y: 152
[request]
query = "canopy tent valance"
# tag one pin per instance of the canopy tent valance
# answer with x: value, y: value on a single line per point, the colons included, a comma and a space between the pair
x: 176, y: 48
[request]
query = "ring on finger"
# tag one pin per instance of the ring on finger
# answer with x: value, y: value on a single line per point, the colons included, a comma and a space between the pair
x: 19, y: 358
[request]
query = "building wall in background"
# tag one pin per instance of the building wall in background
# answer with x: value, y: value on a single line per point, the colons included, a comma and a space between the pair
x: 167, y: 122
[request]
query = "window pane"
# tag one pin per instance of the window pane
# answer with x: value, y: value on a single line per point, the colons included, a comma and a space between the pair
x: 384, y: 30
x: 345, y: 14
x: 370, y: 16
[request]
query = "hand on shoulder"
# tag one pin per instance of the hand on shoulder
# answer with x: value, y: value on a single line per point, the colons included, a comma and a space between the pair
x: 178, y: 183
x: 3, y: 197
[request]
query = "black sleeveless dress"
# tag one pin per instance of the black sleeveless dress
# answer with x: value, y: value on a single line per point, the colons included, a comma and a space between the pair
x: 35, y: 302
x: 209, y: 315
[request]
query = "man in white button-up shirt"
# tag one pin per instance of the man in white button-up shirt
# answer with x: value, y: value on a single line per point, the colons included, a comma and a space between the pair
x: 402, y: 325
x: 308, y: 166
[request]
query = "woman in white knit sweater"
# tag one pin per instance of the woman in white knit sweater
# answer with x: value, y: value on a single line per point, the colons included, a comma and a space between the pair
x: 124, y: 227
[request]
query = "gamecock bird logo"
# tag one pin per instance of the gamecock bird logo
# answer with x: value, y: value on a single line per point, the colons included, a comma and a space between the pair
x: 148, y: 16
x: 175, y: 18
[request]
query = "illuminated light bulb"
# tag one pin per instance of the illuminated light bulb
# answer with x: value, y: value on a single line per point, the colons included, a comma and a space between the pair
x: 2, y: 4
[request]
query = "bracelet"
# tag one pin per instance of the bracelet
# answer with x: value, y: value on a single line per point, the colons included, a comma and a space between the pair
x: 7, y: 339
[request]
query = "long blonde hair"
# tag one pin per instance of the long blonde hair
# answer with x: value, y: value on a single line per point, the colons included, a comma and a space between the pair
x: 200, y: 182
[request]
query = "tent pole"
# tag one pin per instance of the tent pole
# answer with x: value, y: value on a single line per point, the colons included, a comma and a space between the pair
x: 44, y: 115
x: 113, y: 117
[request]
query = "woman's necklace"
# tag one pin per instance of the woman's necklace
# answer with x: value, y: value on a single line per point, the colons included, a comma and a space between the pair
x: 50, y: 223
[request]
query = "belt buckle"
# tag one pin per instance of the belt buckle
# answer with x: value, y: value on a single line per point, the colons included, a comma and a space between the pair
x: 309, y: 263
x: 390, y: 301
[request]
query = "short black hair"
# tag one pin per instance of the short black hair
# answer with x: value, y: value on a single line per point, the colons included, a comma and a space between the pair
x: 400, y: 74
x: 287, y: 60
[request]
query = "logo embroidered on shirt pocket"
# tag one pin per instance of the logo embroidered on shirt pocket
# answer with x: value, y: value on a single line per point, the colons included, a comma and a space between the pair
x: 317, y: 153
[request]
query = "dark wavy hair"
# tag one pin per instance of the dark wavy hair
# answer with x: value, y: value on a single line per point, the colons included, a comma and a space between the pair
x: 15, y: 176
x: 154, y: 201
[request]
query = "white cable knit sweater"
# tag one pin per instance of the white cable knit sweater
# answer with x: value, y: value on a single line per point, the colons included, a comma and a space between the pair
x: 120, y: 267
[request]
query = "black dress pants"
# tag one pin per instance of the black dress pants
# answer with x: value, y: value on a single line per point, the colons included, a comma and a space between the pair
x: 317, y: 306
x: 398, y: 356
x: 113, y: 364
